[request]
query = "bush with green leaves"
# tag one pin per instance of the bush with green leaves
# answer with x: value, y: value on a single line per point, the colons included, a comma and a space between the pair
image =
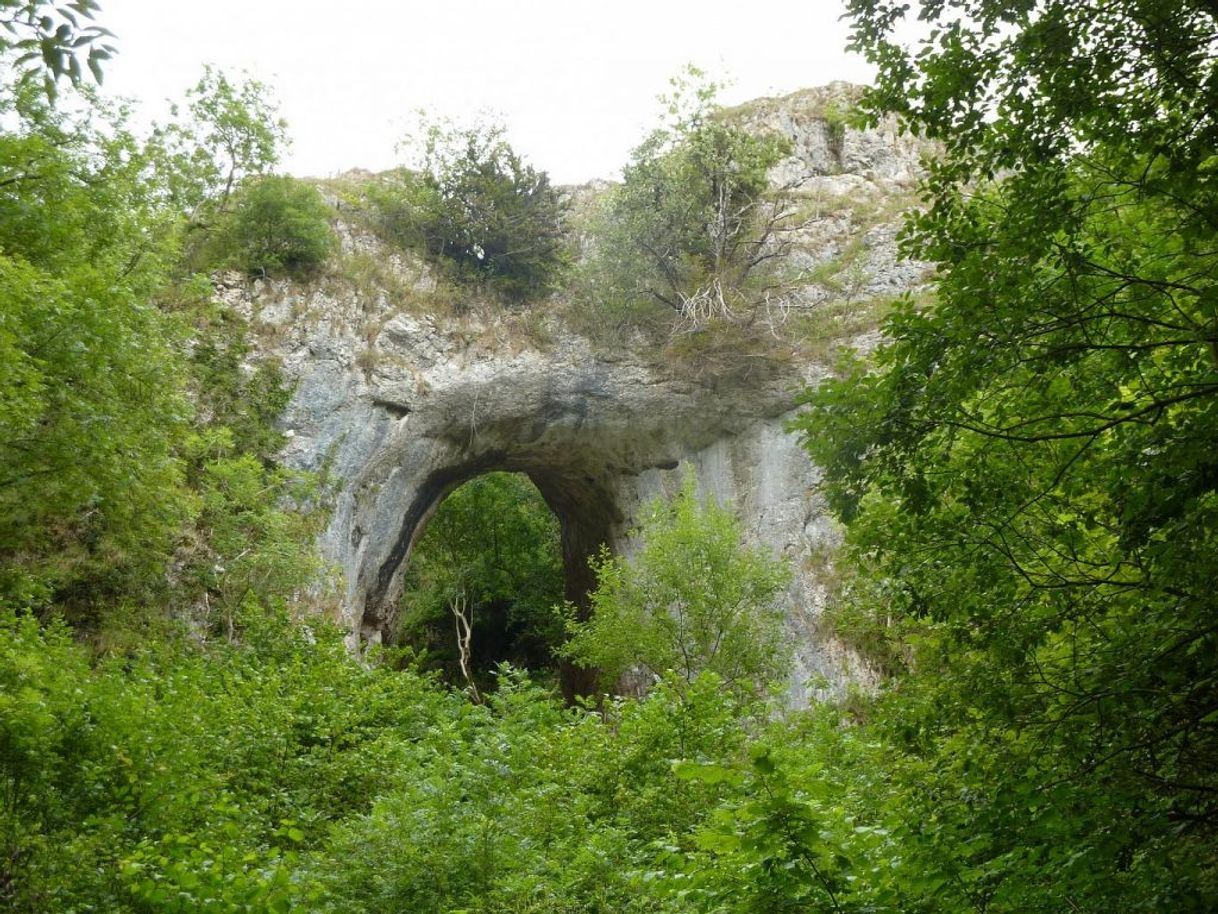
x: 522, y: 805
x: 473, y: 205
x: 173, y: 777
x: 693, y: 598
x: 128, y: 454
x: 274, y: 224
x: 282, y: 774
x: 695, y: 218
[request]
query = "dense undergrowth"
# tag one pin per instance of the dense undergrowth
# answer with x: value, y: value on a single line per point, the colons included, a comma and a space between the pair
x: 281, y: 774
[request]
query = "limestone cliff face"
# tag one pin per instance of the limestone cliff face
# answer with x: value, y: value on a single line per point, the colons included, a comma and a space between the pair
x: 405, y: 406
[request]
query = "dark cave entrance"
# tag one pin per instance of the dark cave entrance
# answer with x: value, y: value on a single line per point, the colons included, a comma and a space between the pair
x: 487, y: 555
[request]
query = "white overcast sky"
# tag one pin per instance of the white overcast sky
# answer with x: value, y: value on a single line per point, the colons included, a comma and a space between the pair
x: 574, y: 80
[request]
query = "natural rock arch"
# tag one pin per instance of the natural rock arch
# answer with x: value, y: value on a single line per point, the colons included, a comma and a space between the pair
x: 586, y: 433
x: 585, y: 509
x: 403, y: 407
x: 599, y: 437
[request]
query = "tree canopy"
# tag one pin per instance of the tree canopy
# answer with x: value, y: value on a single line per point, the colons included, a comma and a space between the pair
x: 229, y: 129
x: 93, y: 397
x: 1027, y: 465
x: 134, y: 439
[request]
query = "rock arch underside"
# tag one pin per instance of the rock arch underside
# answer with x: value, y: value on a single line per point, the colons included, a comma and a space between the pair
x: 403, y: 406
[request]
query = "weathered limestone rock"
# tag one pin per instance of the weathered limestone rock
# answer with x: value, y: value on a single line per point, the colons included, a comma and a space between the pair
x: 814, y: 120
x: 403, y: 408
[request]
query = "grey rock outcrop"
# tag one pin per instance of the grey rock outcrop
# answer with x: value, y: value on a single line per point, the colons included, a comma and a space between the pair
x: 822, y: 143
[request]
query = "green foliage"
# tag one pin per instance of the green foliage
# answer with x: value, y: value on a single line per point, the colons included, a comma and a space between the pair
x: 103, y: 484
x: 177, y: 777
x: 397, y: 201
x: 230, y: 131
x: 183, y: 874
x: 256, y: 531
x: 54, y: 40
x: 274, y: 224
x: 521, y: 806
x: 692, y: 599
x: 776, y: 841
x: 252, y: 535
x: 493, y: 544
x: 694, y: 216
x: 1027, y: 465
x: 231, y: 386
x: 475, y: 206
x: 284, y: 775
x: 93, y: 395
x: 837, y: 117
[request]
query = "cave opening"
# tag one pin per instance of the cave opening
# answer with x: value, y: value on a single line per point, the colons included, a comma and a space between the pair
x: 485, y: 584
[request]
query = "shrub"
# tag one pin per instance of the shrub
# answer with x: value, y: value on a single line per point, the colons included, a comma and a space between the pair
x: 475, y: 206
x: 693, y: 599
x: 277, y: 224
x: 694, y: 216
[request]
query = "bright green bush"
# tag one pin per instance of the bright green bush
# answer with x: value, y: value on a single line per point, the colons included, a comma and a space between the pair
x: 281, y: 774
x: 524, y: 806
x: 117, y: 774
x: 102, y: 470
x: 692, y: 599
x: 275, y: 224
